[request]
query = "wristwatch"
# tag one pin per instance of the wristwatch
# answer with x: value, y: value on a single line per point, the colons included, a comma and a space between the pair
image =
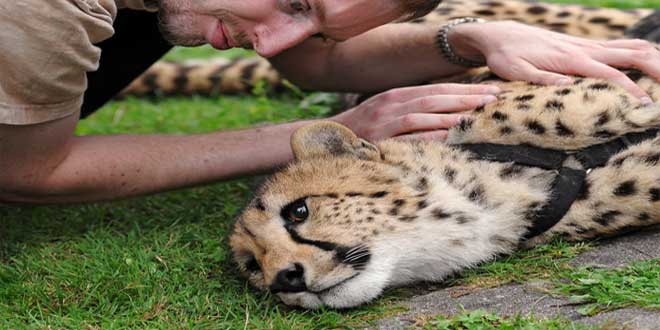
x: 442, y: 42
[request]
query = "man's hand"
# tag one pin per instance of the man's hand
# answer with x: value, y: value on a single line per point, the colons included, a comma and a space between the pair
x: 520, y: 52
x: 423, y: 112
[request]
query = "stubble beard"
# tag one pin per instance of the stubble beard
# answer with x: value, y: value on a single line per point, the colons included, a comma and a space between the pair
x: 175, y: 23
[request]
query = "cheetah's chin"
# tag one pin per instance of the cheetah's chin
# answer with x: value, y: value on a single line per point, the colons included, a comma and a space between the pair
x: 353, y: 291
x: 316, y: 299
x: 301, y: 299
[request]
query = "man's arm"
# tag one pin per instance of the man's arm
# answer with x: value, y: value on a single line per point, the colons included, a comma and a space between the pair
x: 402, y: 54
x: 45, y: 163
x: 386, y: 57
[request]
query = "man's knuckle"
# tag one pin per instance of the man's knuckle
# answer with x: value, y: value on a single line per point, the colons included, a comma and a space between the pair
x: 468, y: 101
x: 408, y: 121
x: 380, y: 113
x: 647, y: 55
x: 391, y: 95
x: 446, y: 88
x: 424, y: 104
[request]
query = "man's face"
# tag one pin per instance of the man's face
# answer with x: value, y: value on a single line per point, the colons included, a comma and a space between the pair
x: 269, y: 26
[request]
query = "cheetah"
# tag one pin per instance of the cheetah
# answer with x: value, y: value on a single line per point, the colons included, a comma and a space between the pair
x: 218, y: 76
x: 348, y: 219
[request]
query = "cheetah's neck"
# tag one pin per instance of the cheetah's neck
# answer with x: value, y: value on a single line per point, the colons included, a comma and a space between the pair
x: 460, y: 212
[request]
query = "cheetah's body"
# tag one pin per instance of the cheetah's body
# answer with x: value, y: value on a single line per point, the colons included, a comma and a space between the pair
x: 401, y: 212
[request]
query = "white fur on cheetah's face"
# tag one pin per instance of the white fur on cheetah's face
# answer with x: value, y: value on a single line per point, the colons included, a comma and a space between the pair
x: 315, y: 239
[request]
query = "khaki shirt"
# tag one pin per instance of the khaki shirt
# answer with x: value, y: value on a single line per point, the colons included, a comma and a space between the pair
x: 46, y: 49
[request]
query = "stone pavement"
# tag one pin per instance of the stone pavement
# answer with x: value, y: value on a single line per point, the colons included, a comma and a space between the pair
x: 533, y: 298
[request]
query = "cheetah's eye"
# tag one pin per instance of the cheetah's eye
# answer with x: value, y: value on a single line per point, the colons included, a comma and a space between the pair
x: 298, y: 6
x: 296, y: 211
x: 252, y: 265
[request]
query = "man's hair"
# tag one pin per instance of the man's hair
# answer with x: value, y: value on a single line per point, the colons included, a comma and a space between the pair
x: 418, y: 8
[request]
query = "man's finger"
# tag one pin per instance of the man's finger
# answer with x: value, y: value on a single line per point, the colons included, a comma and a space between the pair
x: 530, y: 73
x: 445, y: 103
x: 416, y: 122
x: 637, y: 44
x: 437, y: 135
x: 599, y: 70
x: 406, y: 94
x: 646, y: 61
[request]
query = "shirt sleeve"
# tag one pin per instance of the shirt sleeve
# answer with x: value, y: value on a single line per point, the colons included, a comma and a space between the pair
x: 47, y: 49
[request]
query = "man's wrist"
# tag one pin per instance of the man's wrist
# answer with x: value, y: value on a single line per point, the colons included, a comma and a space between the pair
x: 464, y: 42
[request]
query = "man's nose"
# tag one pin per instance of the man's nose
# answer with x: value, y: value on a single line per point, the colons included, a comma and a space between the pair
x: 273, y: 40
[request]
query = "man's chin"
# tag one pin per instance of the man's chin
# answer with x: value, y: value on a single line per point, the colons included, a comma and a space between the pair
x: 177, y: 30
x: 178, y: 40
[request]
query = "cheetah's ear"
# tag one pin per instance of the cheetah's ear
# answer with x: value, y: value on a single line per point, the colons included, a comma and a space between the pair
x: 328, y: 138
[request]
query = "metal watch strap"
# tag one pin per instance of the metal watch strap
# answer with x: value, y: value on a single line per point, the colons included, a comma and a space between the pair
x: 442, y: 42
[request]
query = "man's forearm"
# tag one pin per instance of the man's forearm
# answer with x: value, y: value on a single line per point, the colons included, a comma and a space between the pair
x: 389, y: 56
x: 112, y: 167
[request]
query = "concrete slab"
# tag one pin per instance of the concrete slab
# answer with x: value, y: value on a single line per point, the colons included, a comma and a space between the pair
x: 621, y: 251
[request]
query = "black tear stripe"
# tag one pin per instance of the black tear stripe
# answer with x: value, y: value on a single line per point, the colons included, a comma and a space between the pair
x: 341, y: 252
x: 325, y: 246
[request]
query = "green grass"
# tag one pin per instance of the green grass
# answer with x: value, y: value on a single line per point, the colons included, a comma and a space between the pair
x: 183, y: 53
x: 198, y: 115
x: 635, y: 285
x: 161, y: 262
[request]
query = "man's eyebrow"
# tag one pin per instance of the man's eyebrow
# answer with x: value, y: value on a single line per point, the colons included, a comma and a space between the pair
x: 320, y: 10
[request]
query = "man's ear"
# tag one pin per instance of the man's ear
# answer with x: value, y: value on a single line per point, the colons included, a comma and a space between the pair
x: 328, y: 138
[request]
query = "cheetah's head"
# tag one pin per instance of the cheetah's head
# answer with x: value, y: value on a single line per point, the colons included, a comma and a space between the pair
x: 323, y: 232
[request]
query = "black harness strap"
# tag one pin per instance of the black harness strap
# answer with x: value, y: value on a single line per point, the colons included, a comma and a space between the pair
x: 568, y: 183
x: 527, y: 155
x: 598, y: 155
x: 565, y: 190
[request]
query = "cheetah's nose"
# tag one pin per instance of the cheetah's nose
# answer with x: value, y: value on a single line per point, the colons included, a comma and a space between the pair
x: 290, y: 280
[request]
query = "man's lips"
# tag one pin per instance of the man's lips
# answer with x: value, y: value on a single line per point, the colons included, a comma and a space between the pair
x: 218, y: 37
x: 230, y: 40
